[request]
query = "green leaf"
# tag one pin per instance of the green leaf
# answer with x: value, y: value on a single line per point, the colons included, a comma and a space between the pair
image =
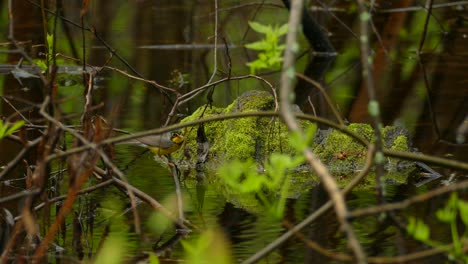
x: 259, y: 45
x: 310, y: 131
x: 280, y: 48
x: 112, y: 251
x: 271, y: 57
x: 449, y: 212
x: 281, y: 161
x: 446, y: 215
x: 297, y: 141
x: 50, y: 43
x: 242, y: 176
x: 463, y: 208
x: 418, y: 229
x: 283, y: 30
x: 260, y: 28
x: 14, y: 127
x: 3, y: 128
x: 153, y: 259
x: 211, y: 245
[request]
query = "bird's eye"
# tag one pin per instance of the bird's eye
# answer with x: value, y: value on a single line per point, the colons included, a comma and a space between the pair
x: 174, y: 135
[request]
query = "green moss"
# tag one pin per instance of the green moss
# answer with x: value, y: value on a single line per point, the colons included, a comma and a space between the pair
x: 252, y: 101
x: 341, y: 152
x: 400, y: 143
x: 258, y: 137
x: 242, y: 138
x: 396, y: 138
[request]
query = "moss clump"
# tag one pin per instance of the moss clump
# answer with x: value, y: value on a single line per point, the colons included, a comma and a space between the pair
x: 400, y: 143
x: 397, y: 138
x: 344, y: 155
x: 258, y: 137
x: 339, y: 151
x: 242, y: 138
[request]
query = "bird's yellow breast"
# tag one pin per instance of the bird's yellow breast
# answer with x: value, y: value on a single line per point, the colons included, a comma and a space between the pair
x: 164, y: 151
x: 176, y: 139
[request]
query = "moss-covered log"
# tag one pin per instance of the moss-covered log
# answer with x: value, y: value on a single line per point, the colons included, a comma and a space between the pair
x: 257, y: 138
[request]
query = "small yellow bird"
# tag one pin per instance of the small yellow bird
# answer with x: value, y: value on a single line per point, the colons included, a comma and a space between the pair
x: 162, y: 144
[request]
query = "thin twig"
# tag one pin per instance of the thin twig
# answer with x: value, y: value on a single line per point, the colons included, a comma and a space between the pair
x: 324, y: 94
x: 11, y: 164
x: 180, y: 206
x: 457, y: 165
x: 74, y: 189
x: 413, y: 200
x: 434, y: 122
x: 287, y: 77
x: 418, y: 8
x: 11, y: 36
x: 215, y: 49
x: 373, y: 104
x: 19, y: 195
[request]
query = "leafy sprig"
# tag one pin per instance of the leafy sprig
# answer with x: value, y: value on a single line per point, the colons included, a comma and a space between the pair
x: 269, y: 48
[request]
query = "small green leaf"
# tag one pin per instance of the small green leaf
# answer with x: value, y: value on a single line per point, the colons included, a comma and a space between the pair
x: 113, y: 250
x: 310, y: 131
x: 280, y: 162
x: 211, y: 245
x: 153, y: 259
x: 17, y: 125
x: 297, y: 141
x: 3, y: 128
x: 283, y: 30
x: 242, y: 176
x: 42, y: 64
x: 50, y: 43
x: 446, y: 215
x: 259, y: 45
x: 463, y: 208
x: 260, y: 28
x: 6, y: 130
x: 418, y: 229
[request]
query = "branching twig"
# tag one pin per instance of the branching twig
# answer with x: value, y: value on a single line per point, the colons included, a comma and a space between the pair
x: 12, y: 163
x: 429, y: 4
x: 457, y: 165
x: 415, y: 199
x: 287, y: 77
x: 373, y: 104
x: 324, y: 94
